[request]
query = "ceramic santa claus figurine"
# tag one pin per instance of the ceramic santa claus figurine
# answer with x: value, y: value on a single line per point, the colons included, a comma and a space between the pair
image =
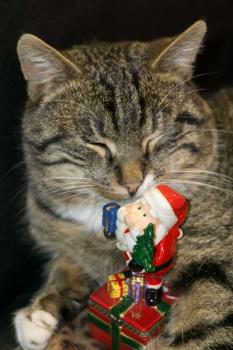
x: 165, y: 210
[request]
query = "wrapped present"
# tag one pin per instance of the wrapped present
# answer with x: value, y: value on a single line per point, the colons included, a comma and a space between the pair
x: 117, y: 285
x: 136, y: 288
x: 122, y: 324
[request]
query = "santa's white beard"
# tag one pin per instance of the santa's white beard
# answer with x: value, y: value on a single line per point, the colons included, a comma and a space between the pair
x: 126, y: 241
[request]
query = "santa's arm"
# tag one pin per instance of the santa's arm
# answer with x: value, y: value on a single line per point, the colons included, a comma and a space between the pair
x: 127, y: 257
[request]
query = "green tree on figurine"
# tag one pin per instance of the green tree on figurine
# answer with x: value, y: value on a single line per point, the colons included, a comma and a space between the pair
x: 143, y: 251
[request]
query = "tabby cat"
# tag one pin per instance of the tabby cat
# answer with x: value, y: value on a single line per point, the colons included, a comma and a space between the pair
x: 104, y: 122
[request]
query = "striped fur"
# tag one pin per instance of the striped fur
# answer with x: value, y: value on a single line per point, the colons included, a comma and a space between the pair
x: 102, y: 119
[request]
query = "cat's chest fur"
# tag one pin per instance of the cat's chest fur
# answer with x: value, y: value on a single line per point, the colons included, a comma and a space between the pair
x: 88, y: 243
x: 89, y: 215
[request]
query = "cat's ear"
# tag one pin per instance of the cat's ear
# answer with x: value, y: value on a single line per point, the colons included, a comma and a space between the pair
x: 180, y: 54
x: 43, y: 67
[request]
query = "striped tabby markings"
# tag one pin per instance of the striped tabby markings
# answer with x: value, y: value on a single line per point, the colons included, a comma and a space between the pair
x: 105, y: 148
x: 200, y: 331
x: 188, y: 118
x: 209, y: 270
x: 149, y: 142
x: 46, y: 143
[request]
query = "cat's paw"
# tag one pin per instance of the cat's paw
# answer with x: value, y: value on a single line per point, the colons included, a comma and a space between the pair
x: 34, y: 328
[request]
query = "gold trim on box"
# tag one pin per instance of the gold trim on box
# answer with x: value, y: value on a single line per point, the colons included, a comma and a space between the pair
x: 122, y: 334
x: 98, y: 318
x: 126, y: 325
x: 136, y: 341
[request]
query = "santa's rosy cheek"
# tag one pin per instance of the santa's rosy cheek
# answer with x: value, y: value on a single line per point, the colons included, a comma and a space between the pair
x: 129, y: 222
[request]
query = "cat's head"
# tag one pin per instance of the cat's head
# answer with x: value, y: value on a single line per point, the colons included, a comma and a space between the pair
x: 110, y: 119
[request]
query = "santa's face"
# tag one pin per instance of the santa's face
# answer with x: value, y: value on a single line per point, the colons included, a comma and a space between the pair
x: 137, y: 216
x: 132, y: 219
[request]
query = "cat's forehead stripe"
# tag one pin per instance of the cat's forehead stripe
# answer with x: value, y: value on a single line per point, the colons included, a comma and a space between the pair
x: 155, y: 137
x: 126, y: 103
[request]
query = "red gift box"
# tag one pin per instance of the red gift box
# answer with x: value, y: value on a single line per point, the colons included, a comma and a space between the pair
x: 121, y: 324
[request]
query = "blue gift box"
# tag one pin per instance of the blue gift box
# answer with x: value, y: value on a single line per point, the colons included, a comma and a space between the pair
x: 109, y: 219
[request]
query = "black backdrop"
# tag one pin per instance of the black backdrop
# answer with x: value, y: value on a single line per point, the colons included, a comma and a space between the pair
x: 63, y: 23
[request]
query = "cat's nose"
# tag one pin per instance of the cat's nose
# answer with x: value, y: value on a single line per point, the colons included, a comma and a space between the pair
x: 132, y: 187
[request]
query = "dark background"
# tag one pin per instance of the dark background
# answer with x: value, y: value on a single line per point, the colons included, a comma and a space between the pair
x: 63, y: 23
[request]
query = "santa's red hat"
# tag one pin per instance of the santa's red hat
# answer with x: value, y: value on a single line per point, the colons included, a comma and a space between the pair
x: 167, y: 205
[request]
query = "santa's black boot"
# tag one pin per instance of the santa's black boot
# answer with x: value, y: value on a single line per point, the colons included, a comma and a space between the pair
x: 133, y: 266
x: 152, y: 296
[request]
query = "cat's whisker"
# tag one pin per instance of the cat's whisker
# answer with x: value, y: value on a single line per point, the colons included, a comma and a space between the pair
x: 198, y: 183
x: 74, y: 193
x: 64, y: 194
x: 69, y: 101
x: 66, y: 182
x: 198, y: 176
x: 224, y: 131
x: 59, y: 194
x: 15, y: 166
x: 74, y: 185
x: 218, y: 131
x: 69, y: 186
x: 201, y: 171
x: 64, y: 177
x: 88, y: 110
x: 66, y: 189
x: 22, y: 189
x: 178, y: 85
x: 210, y: 180
x: 180, y: 96
x: 61, y: 191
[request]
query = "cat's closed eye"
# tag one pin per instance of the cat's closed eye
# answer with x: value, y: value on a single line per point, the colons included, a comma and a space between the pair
x: 188, y: 118
x: 149, y: 144
x: 102, y: 149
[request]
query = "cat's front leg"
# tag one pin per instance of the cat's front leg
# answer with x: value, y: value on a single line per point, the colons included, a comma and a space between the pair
x: 36, y: 323
x: 202, y: 318
x: 75, y: 336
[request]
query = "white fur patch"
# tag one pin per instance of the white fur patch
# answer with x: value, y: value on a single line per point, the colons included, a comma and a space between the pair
x: 34, y: 330
x: 89, y: 213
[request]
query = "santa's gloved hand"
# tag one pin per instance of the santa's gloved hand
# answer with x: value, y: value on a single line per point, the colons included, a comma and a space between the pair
x: 133, y: 266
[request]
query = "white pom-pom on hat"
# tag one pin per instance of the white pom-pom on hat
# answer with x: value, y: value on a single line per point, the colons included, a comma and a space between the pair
x: 167, y: 205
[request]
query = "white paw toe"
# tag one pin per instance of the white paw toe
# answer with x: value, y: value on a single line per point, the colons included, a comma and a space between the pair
x: 34, y: 330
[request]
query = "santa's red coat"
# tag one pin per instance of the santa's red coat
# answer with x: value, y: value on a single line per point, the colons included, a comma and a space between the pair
x: 165, y: 251
x: 164, y: 256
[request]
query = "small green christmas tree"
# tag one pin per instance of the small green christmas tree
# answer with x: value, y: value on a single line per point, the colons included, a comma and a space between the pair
x: 143, y: 251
